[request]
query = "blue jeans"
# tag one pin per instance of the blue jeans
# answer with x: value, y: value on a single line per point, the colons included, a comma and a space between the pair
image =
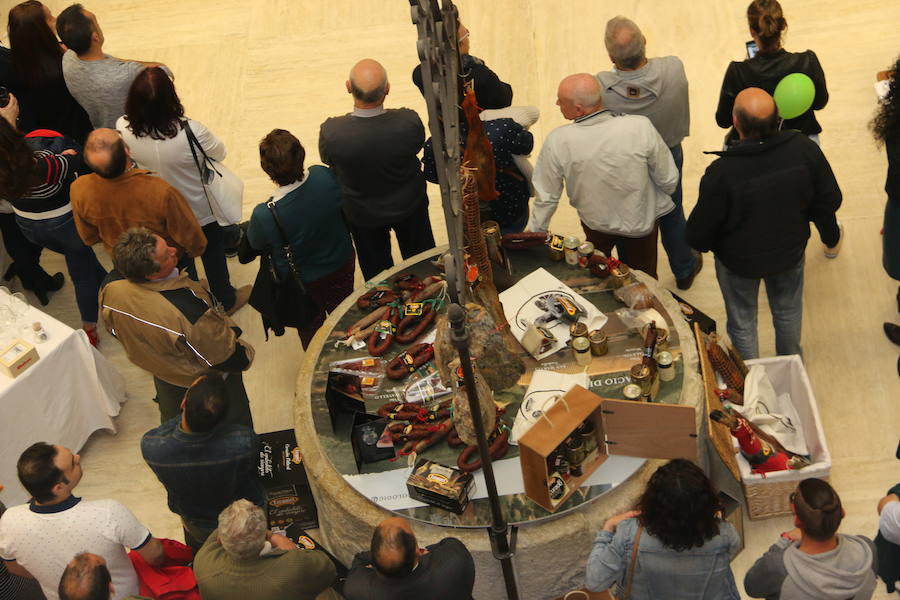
x: 785, y: 292
x: 59, y: 235
x: 215, y: 265
x: 671, y: 229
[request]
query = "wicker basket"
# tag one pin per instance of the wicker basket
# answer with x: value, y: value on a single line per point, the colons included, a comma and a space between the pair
x: 769, y: 496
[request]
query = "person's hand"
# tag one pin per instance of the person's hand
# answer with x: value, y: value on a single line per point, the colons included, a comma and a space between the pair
x: 10, y: 112
x: 613, y: 522
x: 69, y: 152
x: 281, y: 542
x: 794, y: 535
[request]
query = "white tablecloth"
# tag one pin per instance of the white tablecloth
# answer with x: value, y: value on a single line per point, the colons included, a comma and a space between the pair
x: 70, y: 392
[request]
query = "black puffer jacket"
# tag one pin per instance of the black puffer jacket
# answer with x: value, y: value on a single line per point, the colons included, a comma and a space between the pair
x: 756, y: 202
x: 765, y: 71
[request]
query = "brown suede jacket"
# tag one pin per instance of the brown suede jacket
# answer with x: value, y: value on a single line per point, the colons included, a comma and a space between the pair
x: 105, y: 208
x: 173, y: 328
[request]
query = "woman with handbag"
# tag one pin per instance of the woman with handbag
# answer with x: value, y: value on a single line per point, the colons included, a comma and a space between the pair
x: 674, y: 546
x: 161, y: 139
x: 308, y: 261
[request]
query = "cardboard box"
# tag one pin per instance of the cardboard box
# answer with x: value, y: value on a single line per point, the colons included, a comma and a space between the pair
x: 289, y: 498
x: 620, y: 427
x: 17, y: 357
x: 441, y: 486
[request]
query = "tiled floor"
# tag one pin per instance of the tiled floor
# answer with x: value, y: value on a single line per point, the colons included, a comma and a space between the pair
x: 243, y: 68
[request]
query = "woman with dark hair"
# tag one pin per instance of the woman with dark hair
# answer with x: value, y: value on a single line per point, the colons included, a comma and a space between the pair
x: 771, y: 63
x: 44, y: 99
x: 153, y: 126
x: 35, y: 174
x: 307, y: 203
x: 674, y: 546
x: 886, y: 129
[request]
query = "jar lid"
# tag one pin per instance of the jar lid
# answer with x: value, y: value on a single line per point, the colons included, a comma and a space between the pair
x: 664, y: 359
x: 581, y: 344
x: 586, y: 248
x: 571, y: 242
x: 632, y: 392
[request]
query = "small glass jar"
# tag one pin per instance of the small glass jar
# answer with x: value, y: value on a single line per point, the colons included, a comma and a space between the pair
x: 585, y: 252
x: 570, y: 248
x: 620, y: 275
x: 665, y: 362
x: 599, y: 343
x: 581, y: 347
x: 632, y: 392
x: 578, y: 329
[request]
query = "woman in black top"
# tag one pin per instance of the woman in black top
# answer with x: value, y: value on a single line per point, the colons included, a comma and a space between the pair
x: 886, y: 129
x: 44, y: 99
x: 769, y: 66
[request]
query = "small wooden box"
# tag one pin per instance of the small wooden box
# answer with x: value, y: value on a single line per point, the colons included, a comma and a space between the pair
x: 17, y: 357
x: 622, y: 427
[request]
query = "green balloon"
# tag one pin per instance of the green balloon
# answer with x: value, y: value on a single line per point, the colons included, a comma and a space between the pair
x: 794, y: 95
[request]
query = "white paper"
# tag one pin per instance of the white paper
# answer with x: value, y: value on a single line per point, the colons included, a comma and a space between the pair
x: 521, y: 311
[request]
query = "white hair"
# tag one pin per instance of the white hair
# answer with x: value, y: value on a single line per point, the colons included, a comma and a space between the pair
x: 242, y: 529
x: 631, y: 53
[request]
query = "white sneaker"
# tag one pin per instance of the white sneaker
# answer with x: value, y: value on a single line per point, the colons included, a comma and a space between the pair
x: 833, y: 252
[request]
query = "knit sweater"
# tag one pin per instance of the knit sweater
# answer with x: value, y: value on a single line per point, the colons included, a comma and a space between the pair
x: 105, y: 208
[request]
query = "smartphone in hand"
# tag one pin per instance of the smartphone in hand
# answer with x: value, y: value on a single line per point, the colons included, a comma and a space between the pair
x: 752, y: 48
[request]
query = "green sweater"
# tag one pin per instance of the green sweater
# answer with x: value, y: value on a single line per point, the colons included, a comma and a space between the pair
x: 283, y: 574
x: 311, y: 216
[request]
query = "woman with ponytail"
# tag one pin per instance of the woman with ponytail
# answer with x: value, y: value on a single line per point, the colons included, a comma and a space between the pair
x: 771, y: 63
x: 814, y: 561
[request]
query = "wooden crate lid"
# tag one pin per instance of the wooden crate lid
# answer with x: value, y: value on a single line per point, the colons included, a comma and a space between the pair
x: 718, y: 434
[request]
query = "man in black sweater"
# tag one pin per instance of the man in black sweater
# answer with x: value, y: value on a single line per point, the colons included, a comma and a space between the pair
x: 756, y: 202
x: 397, y: 569
x: 374, y: 153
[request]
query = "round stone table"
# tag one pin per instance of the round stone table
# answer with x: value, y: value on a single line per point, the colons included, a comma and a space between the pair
x: 551, y: 549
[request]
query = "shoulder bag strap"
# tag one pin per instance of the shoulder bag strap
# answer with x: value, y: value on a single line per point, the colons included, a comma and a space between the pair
x: 634, y: 553
x: 192, y: 140
x: 286, y: 245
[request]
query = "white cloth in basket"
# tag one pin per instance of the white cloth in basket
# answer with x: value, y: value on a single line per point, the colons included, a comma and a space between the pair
x: 773, y: 413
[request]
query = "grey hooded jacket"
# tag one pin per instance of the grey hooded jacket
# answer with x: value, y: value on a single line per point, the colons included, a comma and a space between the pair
x: 786, y: 573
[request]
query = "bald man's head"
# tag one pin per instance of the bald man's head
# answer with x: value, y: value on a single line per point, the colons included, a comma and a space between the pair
x: 106, y: 153
x: 754, y: 115
x: 394, y: 548
x: 368, y: 83
x: 86, y: 578
x: 579, y: 95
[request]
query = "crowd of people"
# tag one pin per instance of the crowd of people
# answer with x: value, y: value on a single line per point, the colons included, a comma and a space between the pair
x: 97, y: 150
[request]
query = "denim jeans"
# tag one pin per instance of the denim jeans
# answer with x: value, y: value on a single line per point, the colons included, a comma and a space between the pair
x: 59, y: 235
x: 785, y: 292
x: 215, y: 265
x: 672, y: 229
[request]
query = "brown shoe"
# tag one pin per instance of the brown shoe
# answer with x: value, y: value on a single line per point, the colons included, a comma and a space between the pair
x: 687, y: 282
x: 241, y: 295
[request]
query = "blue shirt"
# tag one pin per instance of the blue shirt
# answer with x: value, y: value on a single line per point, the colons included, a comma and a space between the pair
x: 204, y: 472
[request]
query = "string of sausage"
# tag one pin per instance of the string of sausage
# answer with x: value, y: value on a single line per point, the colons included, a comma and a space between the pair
x: 412, y: 326
x: 380, y: 341
x: 497, y: 450
x: 409, y: 360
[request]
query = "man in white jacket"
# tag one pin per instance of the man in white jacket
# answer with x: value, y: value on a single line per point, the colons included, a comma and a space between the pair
x: 617, y: 170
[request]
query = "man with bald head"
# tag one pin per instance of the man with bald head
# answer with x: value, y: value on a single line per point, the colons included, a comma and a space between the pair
x: 397, y: 569
x: 658, y: 89
x: 87, y: 578
x: 118, y: 196
x: 756, y: 202
x: 617, y: 171
x: 374, y: 154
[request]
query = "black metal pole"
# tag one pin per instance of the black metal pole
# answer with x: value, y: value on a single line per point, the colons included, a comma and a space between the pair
x: 499, y: 530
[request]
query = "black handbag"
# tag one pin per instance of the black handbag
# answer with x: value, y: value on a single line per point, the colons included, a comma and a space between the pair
x: 283, y: 301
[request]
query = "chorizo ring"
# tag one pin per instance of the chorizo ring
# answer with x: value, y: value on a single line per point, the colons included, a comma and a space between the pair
x: 412, y: 326
x: 409, y: 360
x: 383, y: 336
x: 497, y: 450
x: 437, y: 433
x: 525, y: 239
x: 407, y: 281
x: 378, y: 296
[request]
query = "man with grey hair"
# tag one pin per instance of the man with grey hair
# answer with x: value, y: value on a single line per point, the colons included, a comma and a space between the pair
x: 657, y: 89
x: 617, y: 170
x: 242, y: 559
x: 374, y: 154
x: 171, y: 326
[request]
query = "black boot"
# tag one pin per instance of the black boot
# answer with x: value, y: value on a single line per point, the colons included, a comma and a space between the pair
x: 53, y: 285
x: 10, y: 272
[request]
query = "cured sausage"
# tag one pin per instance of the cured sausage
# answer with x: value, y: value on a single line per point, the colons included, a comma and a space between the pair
x: 383, y: 336
x: 497, y: 450
x: 409, y: 360
x: 412, y: 326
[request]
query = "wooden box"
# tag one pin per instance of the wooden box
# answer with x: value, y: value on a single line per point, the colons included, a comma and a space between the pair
x: 622, y: 427
x: 17, y: 357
